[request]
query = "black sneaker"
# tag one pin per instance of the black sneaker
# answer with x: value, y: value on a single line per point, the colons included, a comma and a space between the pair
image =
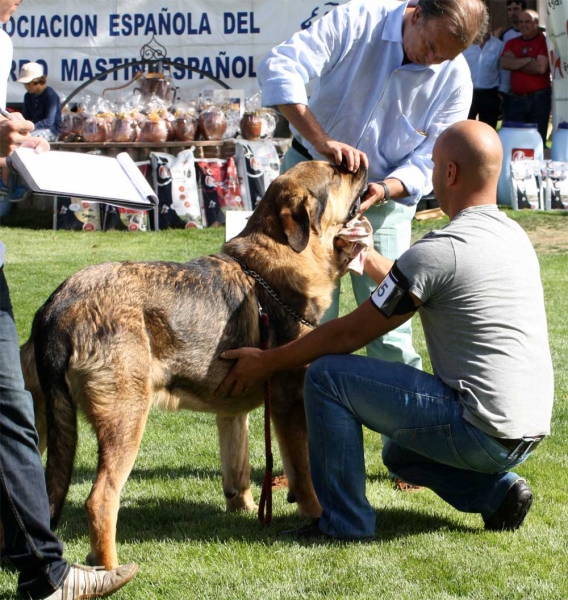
x: 513, y: 510
x: 313, y: 532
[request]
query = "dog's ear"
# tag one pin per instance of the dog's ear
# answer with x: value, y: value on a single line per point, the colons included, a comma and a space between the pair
x: 296, y: 225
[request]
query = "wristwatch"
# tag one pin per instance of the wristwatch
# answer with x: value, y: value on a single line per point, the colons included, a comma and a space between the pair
x: 385, y: 187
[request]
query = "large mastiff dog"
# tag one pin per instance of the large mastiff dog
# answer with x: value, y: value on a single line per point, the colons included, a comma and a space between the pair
x: 117, y: 338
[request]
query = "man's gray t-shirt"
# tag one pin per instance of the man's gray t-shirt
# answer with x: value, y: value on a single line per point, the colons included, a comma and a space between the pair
x: 484, y: 320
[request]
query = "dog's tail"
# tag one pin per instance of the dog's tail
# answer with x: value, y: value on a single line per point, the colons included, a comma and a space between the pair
x: 44, y: 359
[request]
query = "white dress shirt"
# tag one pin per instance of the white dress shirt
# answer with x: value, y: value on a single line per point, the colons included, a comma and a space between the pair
x: 484, y: 63
x: 362, y: 94
x: 505, y: 74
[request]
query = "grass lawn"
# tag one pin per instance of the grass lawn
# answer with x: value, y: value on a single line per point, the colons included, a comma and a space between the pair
x: 172, y: 520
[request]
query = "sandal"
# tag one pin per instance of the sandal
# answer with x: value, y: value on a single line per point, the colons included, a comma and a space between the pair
x: 403, y: 486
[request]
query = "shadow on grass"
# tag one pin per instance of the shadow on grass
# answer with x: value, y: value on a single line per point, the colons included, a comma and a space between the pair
x: 85, y: 475
x: 189, y: 521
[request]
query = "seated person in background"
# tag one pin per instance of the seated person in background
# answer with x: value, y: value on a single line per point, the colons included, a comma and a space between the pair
x: 483, y: 60
x: 42, y: 105
x: 476, y: 286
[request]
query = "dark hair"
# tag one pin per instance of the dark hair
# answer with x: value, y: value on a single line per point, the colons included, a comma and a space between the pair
x: 523, y: 3
x: 41, y: 80
x: 468, y: 20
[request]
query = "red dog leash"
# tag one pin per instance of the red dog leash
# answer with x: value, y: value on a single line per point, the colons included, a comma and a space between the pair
x: 265, y: 504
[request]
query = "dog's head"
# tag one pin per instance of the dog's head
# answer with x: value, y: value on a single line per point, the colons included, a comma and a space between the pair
x: 313, y: 197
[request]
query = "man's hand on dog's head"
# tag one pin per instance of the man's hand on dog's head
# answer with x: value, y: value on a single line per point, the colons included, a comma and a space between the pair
x: 341, y: 154
x: 247, y: 374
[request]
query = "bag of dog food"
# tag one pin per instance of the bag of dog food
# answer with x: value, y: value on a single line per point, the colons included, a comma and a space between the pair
x: 176, y: 187
x: 219, y: 188
x: 126, y: 219
x: 76, y: 215
x: 258, y: 164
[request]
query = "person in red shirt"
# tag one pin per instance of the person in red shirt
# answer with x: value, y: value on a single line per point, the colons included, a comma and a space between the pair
x: 527, y: 59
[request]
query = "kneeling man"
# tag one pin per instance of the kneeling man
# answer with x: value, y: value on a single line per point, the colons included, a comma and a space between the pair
x: 476, y: 286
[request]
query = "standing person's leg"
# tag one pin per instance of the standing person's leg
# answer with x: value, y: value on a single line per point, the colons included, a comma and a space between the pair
x: 29, y: 542
x: 392, y: 229
x: 505, y: 107
x: 489, y: 107
x: 420, y: 414
x: 476, y: 107
x: 541, y: 104
x: 518, y: 108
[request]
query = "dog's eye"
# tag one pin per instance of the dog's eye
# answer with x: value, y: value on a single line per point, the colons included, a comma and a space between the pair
x: 355, y: 209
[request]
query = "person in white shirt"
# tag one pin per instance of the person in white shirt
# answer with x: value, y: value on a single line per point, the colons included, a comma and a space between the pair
x: 483, y: 60
x: 388, y: 79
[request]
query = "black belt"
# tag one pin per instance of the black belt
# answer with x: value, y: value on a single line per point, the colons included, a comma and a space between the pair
x: 299, y: 148
x: 533, y: 94
x: 521, y: 445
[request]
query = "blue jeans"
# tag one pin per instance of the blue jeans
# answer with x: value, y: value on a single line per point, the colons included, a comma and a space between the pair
x: 430, y: 444
x: 392, y: 228
x: 24, y: 508
x: 531, y: 108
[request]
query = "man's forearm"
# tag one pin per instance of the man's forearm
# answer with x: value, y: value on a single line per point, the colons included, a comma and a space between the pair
x: 304, y: 121
x: 536, y: 66
x: 377, y: 266
x: 510, y: 63
x: 339, y: 336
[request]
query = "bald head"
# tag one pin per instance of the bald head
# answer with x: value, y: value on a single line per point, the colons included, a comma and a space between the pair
x: 467, y: 160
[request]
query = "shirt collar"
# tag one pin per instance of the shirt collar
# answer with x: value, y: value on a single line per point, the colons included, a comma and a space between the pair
x: 393, y: 24
x: 392, y: 32
x: 479, y: 208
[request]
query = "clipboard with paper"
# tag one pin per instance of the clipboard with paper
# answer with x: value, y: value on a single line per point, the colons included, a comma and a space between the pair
x: 91, y: 177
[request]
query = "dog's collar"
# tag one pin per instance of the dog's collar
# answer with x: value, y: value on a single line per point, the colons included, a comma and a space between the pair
x: 274, y: 295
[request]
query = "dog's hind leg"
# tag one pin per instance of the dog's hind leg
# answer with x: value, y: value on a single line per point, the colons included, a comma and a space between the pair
x: 233, y: 441
x: 119, y: 426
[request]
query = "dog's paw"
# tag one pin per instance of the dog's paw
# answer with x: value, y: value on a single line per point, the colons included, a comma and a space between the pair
x: 242, y: 501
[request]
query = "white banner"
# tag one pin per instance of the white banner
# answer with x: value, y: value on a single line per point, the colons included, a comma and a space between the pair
x: 226, y: 39
x: 557, y: 13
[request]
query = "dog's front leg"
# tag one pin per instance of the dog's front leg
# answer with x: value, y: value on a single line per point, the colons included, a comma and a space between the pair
x: 289, y: 421
x: 233, y: 442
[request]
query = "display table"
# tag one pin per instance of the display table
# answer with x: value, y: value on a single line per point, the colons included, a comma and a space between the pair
x: 140, y: 151
x: 250, y: 184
